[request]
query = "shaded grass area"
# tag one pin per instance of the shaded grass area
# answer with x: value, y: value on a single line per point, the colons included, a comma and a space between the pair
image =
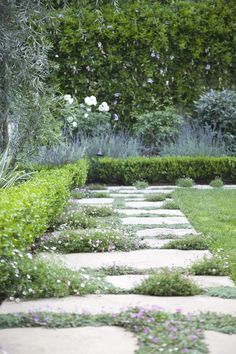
x: 154, y: 329
x: 213, y: 212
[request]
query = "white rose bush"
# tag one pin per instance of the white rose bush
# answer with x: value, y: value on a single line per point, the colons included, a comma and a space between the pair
x: 88, y: 119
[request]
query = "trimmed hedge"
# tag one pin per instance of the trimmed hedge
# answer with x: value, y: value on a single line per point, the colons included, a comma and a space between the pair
x: 147, y: 54
x: 162, y: 169
x: 27, y: 210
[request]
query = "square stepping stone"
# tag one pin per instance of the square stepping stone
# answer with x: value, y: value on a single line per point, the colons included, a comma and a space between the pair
x: 168, y: 212
x: 140, y: 259
x: 211, y: 281
x: 97, y: 304
x: 155, y: 220
x: 134, y: 199
x: 144, y: 204
x: 81, y: 340
x: 220, y: 343
x: 163, y: 231
x: 95, y: 201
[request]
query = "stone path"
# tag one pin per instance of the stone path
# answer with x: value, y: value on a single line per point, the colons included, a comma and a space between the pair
x: 155, y: 227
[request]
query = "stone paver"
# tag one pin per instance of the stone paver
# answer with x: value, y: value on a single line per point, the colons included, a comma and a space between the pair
x: 162, y: 231
x: 95, y: 201
x: 154, y: 243
x: 155, y: 220
x: 82, y: 340
x: 140, y: 259
x: 130, y: 199
x: 129, y: 281
x: 122, y: 195
x: 168, y: 212
x: 96, y: 304
x: 141, y: 205
x: 220, y: 343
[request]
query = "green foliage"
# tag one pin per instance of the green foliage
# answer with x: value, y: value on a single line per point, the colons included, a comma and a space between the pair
x: 188, y: 243
x: 155, y: 128
x: 170, y: 204
x: 210, y: 266
x: 145, y: 55
x: 225, y: 292
x: 185, y: 182
x: 98, y: 240
x: 102, y: 211
x: 71, y: 219
x: 168, y: 283
x: 141, y: 184
x: 217, y: 183
x: 218, y: 109
x: 94, y: 186
x: 161, y: 170
x: 159, y: 197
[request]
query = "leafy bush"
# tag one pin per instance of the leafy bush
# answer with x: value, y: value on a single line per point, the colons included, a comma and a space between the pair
x: 218, y: 109
x: 98, y: 240
x: 146, y: 54
x: 188, y: 243
x: 185, y: 182
x: 167, y: 283
x: 196, y: 140
x: 157, y: 127
x: 141, y: 184
x: 210, y: 266
x: 217, y: 183
x: 159, y: 197
x: 161, y: 170
x: 225, y: 292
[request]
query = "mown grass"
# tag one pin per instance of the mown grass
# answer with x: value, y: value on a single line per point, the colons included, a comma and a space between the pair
x: 213, y: 212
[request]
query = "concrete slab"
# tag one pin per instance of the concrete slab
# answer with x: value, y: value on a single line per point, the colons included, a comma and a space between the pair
x: 123, y: 195
x: 95, y: 201
x: 162, y: 187
x: 163, y: 231
x: 155, y: 220
x: 140, y: 199
x: 128, y: 282
x: 168, y: 212
x: 220, y: 343
x: 82, y: 340
x: 123, y: 188
x: 140, y: 259
x: 141, y: 205
x: 96, y: 304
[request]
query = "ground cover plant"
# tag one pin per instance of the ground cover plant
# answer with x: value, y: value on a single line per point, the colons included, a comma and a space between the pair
x: 171, y: 204
x: 210, y: 266
x: 226, y: 292
x: 159, y: 197
x: 185, y: 182
x: 167, y: 283
x: 93, y: 240
x: 101, y: 211
x: 72, y: 219
x: 212, y: 212
x: 188, y: 243
x: 141, y: 184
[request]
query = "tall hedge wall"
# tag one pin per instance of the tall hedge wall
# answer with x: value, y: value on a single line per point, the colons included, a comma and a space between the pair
x: 145, y: 53
x: 162, y: 169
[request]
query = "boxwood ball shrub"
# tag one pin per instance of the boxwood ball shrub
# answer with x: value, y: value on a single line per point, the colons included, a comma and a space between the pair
x: 162, y: 169
x: 147, y: 55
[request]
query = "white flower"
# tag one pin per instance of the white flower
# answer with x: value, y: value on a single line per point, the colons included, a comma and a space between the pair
x: 74, y: 124
x: 90, y: 101
x: 29, y: 255
x: 150, y: 81
x: 103, y: 107
x: 70, y: 119
x: 86, y: 115
x: 68, y: 99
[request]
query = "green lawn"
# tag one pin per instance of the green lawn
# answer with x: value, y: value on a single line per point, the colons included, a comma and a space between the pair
x: 212, y: 212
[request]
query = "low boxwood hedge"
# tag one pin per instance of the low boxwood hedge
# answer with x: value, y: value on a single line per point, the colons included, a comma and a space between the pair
x: 162, y: 169
x: 27, y: 210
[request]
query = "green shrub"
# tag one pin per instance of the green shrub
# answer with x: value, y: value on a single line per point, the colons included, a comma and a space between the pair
x: 145, y: 55
x: 217, y: 183
x: 210, y: 266
x: 185, y: 182
x: 167, y: 283
x: 161, y: 169
x: 98, y: 240
x: 218, y: 109
x: 188, y: 243
x: 156, y: 127
x: 141, y: 184
x: 159, y: 197
x: 225, y: 292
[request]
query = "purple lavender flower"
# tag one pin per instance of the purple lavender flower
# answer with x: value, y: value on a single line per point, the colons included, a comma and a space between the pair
x: 146, y: 330
x: 155, y: 340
